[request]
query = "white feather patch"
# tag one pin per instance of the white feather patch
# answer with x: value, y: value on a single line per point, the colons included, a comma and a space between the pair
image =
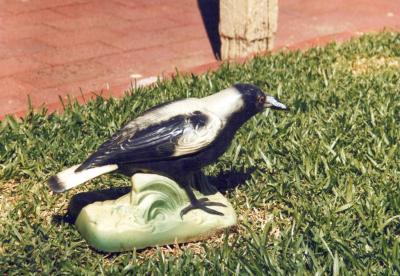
x: 224, y: 103
x: 164, y: 113
x: 69, y: 178
x: 195, y: 139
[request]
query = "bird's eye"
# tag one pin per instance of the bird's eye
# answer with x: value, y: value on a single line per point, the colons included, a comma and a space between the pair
x: 261, y: 100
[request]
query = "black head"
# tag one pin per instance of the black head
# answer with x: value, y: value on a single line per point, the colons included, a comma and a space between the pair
x: 255, y: 99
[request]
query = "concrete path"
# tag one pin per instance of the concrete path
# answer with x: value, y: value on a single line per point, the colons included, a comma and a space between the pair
x: 54, y: 48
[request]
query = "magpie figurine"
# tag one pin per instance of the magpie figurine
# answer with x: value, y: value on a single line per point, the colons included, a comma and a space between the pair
x: 175, y: 139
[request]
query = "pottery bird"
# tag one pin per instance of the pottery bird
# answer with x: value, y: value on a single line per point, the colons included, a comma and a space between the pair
x: 174, y: 139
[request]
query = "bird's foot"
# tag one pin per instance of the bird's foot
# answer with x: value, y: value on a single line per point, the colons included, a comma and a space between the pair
x: 202, y: 205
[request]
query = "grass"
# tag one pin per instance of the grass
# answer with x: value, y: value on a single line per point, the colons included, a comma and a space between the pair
x: 323, y: 197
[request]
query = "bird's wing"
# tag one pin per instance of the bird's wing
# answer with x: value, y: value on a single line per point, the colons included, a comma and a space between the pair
x: 200, y: 132
x: 177, y: 136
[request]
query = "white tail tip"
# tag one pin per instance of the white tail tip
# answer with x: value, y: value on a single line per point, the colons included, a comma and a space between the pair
x: 68, y: 178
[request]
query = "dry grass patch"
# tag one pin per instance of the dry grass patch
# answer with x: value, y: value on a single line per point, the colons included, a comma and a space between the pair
x: 368, y: 65
x: 8, y: 198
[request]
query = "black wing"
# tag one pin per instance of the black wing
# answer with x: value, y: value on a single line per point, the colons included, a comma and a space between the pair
x: 177, y: 136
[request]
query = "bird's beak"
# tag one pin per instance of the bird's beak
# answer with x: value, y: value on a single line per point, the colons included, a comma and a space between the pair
x: 273, y: 103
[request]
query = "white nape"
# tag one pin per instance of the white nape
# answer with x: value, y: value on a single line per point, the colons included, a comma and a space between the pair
x: 224, y: 103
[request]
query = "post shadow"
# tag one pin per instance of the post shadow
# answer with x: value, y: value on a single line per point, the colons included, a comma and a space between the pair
x: 210, y: 13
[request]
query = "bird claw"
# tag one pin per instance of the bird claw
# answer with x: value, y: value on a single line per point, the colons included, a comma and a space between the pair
x: 201, y: 204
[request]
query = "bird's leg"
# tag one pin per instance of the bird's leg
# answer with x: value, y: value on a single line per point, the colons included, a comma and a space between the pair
x: 202, y: 183
x: 199, y: 203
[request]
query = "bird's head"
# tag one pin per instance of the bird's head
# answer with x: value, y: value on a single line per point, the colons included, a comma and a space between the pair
x: 256, y: 100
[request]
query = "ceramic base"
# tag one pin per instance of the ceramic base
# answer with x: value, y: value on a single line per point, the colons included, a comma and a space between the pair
x: 150, y: 215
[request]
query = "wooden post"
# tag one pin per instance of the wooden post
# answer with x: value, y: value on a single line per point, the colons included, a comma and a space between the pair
x: 247, y: 26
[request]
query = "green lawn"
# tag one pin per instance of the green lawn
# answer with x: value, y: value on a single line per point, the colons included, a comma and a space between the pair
x: 323, y: 195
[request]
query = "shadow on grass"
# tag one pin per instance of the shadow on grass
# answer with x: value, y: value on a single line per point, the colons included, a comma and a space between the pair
x: 228, y: 181
x: 224, y: 183
x: 79, y: 201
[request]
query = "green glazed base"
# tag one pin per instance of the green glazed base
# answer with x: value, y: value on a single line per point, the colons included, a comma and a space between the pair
x: 150, y: 216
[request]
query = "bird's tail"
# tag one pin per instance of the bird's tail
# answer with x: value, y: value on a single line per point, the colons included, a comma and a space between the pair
x: 68, y: 178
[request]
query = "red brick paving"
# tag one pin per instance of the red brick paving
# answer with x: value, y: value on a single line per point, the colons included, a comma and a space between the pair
x: 73, y: 47
x: 14, y: 65
x: 77, y: 53
x: 53, y: 76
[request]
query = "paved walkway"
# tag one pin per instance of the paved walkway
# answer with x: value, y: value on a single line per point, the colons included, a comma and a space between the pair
x: 59, y: 47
